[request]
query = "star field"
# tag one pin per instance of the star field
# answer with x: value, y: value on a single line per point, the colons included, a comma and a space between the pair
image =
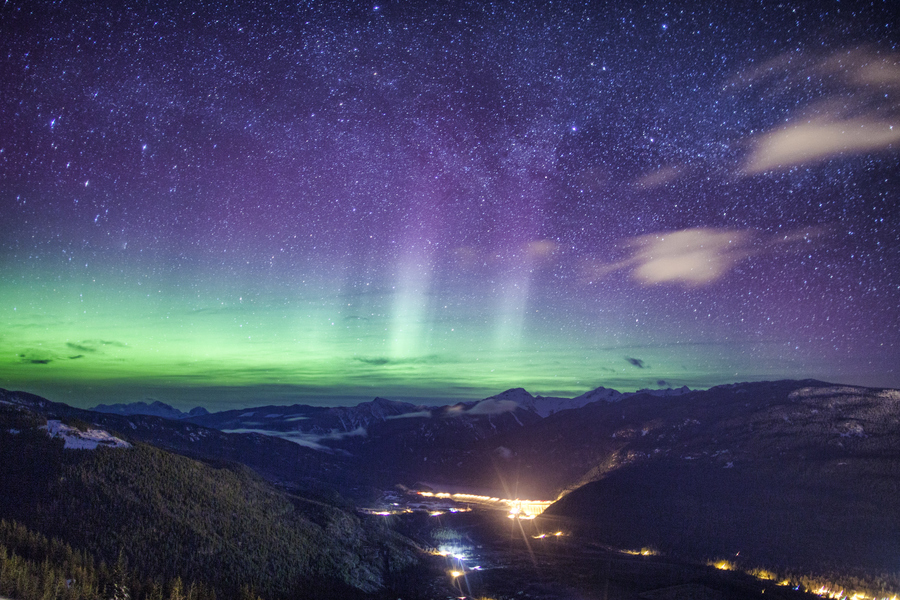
x: 233, y: 204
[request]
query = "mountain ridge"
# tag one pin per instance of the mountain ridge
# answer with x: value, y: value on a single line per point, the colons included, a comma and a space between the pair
x: 155, y: 409
x: 790, y: 473
x: 202, y: 415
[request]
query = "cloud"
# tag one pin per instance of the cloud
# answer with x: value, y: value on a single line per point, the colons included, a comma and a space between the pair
x: 491, y: 406
x: 691, y: 257
x: 421, y: 414
x: 309, y: 440
x: 382, y: 361
x: 697, y: 256
x: 89, y: 346
x: 819, y: 139
x: 36, y: 358
x: 637, y: 362
x: 80, y: 347
x: 504, y: 453
x: 52, y: 353
x: 538, y: 253
x: 376, y: 361
x: 660, y: 177
x: 859, y: 111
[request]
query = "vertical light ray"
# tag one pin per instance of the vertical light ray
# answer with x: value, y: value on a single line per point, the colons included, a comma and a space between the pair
x: 409, y: 315
x: 511, y: 308
x: 410, y: 306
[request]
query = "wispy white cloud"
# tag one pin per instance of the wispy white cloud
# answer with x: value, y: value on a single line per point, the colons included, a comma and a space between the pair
x: 491, y: 406
x: 660, y: 177
x: 309, y: 440
x: 819, y: 139
x: 693, y: 257
x: 419, y: 414
x: 859, y: 112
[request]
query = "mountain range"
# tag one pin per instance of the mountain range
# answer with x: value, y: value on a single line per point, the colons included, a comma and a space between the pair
x: 156, y: 409
x: 787, y: 475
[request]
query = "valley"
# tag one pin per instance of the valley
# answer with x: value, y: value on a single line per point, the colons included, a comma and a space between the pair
x: 492, y: 549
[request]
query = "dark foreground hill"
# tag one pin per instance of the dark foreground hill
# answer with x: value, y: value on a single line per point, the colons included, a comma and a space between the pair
x: 167, y: 516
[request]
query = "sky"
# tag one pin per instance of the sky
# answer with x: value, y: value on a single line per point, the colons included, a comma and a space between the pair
x: 230, y: 204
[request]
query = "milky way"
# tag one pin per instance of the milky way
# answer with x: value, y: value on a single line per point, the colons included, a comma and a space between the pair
x: 320, y: 202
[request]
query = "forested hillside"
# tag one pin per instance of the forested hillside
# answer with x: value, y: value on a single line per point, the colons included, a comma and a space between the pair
x: 166, y: 517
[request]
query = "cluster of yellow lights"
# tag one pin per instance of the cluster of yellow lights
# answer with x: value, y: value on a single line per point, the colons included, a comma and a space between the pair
x: 462, y: 497
x: 529, y: 509
x: 387, y: 513
x: 823, y: 591
x: 526, y: 509
x: 830, y: 593
x: 723, y: 565
x: 518, y: 509
x: 546, y: 535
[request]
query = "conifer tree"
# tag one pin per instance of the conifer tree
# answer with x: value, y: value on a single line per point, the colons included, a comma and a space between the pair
x: 120, y: 589
x: 177, y: 590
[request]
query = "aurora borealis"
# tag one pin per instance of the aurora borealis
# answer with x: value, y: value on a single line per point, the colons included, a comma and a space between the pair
x: 230, y: 204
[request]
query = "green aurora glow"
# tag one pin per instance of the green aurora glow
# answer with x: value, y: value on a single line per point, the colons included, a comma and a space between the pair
x: 98, y: 339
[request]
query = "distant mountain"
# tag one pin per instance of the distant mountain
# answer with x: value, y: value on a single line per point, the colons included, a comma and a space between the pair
x: 156, y: 409
x: 317, y: 421
x: 326, y: 420
x: 598, y: 395
x: 546, y: 406
x: 431, y: 443
x: 304, y: 418
x: 665, y: 392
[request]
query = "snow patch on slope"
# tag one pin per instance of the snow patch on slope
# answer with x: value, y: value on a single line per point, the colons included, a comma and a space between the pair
x: 83, y: 440
x: 546, y: 405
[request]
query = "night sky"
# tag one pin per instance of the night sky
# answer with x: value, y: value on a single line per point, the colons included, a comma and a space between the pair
x: 226, y: 203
